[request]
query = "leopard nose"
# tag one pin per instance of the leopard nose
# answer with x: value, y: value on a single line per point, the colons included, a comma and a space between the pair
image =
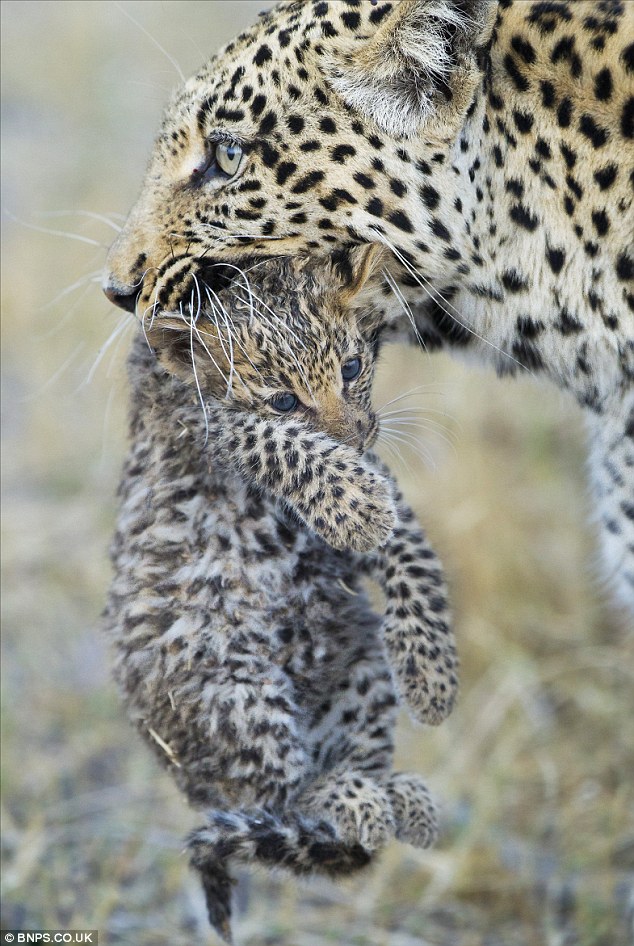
x: 123, y: 296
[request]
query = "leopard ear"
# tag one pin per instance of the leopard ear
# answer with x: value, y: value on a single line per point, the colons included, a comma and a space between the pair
x: 419, y: 68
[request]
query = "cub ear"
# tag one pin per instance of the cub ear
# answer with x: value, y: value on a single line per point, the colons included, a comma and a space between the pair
x: 170, y: 339
x: 356, y: 268
x: 419, y: 68
x: 173, y: 340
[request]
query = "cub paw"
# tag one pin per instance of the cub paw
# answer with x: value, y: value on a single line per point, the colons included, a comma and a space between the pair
x: 358, y: 809
x: 361, y: 514
x: 425, y: 666
x: 415, y: 816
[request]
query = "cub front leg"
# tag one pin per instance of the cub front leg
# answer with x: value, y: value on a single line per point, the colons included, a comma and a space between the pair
x: 334, y: 491
x: 417, y: 628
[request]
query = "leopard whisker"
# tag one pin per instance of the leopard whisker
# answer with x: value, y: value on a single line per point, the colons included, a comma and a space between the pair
x: 35, y: 395
x: 436, y: 296
x: 153, y: 306
x: 196, y: 381
x: 153, y: 40
x: 226, y: 314
x: 81, y: 213
x: 115, y: 361
x: 404, y: 305
x: 68, y: 315
x: 121, y: 325
x: 229, y: 356
x: 50, y: 232
x: 92, y: 277
x: 218, y: 335
x: 231, y: 325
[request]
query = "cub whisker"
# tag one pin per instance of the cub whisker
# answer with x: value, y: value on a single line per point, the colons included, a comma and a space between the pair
x: 412, y: 443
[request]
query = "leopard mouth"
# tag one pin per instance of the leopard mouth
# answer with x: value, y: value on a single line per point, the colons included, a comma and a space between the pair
x: 217, y: 275
x: 190, y: 286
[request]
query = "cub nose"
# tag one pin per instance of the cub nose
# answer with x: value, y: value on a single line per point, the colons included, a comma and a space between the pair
x: 123, y: 296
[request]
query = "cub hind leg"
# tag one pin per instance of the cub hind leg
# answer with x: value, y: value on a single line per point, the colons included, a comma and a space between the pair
x: 356, y: 805
x: 352, y: 739
x: 357, y: 791
x: 415, y: 818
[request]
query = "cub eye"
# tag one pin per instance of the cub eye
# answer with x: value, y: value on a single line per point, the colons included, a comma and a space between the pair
x: 284, y: 403
x: 228, y: 156
x: 350, y: 369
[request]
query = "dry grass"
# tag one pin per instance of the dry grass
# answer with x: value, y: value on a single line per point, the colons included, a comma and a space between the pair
x: 536, y: 766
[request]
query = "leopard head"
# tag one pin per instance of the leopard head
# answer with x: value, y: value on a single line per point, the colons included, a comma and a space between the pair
x: 308, y: 132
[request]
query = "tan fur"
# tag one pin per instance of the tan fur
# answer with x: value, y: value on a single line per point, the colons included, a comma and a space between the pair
x: 488, y: 146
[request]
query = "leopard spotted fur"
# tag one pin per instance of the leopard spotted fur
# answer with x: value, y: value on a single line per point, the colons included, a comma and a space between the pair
x: 488, y: 144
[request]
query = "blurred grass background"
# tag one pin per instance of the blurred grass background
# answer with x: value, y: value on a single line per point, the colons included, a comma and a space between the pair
x: 536, y: 766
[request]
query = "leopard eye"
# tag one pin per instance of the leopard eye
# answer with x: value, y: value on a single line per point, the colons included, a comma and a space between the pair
x: 284, y: 403
x: 228, y: 157
x: 351, y: 369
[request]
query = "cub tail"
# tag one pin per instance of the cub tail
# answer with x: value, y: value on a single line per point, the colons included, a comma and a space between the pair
x: 292, y: 841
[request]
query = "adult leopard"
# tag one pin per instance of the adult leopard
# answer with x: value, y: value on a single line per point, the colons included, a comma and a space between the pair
x: 488, y: 144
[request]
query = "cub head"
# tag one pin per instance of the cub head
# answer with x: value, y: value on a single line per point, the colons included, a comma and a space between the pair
x: 285, y: 337
x: 305, y: 133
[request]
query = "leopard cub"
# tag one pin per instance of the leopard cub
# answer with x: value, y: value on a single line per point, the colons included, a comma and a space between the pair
x: 246, y: 648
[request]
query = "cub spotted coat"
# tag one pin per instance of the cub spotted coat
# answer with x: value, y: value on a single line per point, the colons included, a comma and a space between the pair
x: 246, y: 648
